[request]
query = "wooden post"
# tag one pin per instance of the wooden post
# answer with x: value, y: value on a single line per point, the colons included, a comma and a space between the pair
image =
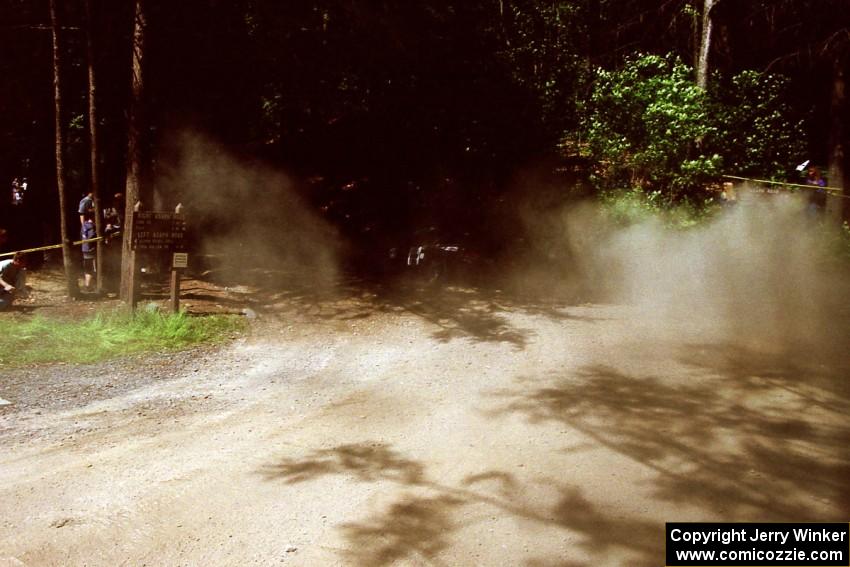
x: 133, y: 283
x: 175, y: 290
x: 178, y: 263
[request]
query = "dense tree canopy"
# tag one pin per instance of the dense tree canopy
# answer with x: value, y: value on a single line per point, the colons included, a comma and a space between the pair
x: 405, y: 99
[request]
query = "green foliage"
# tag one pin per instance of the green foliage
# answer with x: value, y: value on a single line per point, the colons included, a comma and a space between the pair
x: 542, y: 49
x: 107, y: 335
x: 757, y: 132
x: 644, y: 127
x: 627, y: 207
x: 650, y: 127
x: 634, y: 206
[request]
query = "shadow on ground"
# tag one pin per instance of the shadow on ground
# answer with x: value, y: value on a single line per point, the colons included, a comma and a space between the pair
x: 740, y: 436
x: 424, y: 519
x: 473, y: 312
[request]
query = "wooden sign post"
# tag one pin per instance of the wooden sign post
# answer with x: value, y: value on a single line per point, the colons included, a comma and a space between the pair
x: 179, y: 262
x: 159, y: 232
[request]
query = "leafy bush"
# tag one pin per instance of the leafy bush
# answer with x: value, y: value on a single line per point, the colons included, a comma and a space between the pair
x: 634, y: 206
x: 644, y: 127
x: 649, y: 127
x: 757, y: 132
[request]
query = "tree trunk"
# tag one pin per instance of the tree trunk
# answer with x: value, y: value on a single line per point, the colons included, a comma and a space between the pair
x: 595, y: 31
x: 134, y: 157
x: 93, y: 141
x: 705, y: 44
x: 67, y: 252
x: 837, y: 133
x: 503, y: 26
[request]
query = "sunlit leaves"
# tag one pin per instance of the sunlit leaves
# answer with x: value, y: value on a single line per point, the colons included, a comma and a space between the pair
x: 650, y: 127
x: 646, y: 123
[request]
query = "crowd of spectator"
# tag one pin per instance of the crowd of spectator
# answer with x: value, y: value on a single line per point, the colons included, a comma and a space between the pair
x: 13, y: 266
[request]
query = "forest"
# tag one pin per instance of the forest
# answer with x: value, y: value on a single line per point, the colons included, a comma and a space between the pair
x: 386, y: 117
x: 423, y: 282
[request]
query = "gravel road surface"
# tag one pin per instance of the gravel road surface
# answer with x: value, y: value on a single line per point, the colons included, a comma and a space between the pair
x: 466, y: 429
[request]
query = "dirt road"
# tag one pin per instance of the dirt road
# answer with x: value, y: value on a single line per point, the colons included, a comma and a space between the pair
x: 466, y: 429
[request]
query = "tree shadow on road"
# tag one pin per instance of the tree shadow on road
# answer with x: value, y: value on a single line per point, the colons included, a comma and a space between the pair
x: 424, y: 519
x: 411, y: 527
x: 716, y: 444
x: 366, y: 462
x: 478, y: 313
x: 818, y: 375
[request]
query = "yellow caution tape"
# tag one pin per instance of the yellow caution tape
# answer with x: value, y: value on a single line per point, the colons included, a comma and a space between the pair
x: 834, y: 191
x: 55, y: 246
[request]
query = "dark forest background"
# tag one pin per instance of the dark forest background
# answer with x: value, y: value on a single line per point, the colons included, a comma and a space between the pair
x: 387, y: 113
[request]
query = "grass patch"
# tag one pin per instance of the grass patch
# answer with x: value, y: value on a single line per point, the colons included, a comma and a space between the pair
x: 108, y: 335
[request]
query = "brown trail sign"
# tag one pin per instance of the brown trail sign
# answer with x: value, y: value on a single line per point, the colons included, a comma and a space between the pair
x: 166, y: 232
x: 154, y: 230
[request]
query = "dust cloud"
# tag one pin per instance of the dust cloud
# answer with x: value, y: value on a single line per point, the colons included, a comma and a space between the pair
x: 248, y: 222
x: 762, y: 272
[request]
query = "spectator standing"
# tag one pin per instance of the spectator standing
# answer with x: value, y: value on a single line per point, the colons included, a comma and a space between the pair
x: 18, y: 189
x: 86, y: 204
x: 111, y: 258
x: 817, y: 199
x: 13, y: 279
x: 89, y: 252
x: 112, y: 215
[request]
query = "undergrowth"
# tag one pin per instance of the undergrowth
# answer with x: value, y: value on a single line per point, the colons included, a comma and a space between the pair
x: 108, y: 335
x: 629, y: 207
